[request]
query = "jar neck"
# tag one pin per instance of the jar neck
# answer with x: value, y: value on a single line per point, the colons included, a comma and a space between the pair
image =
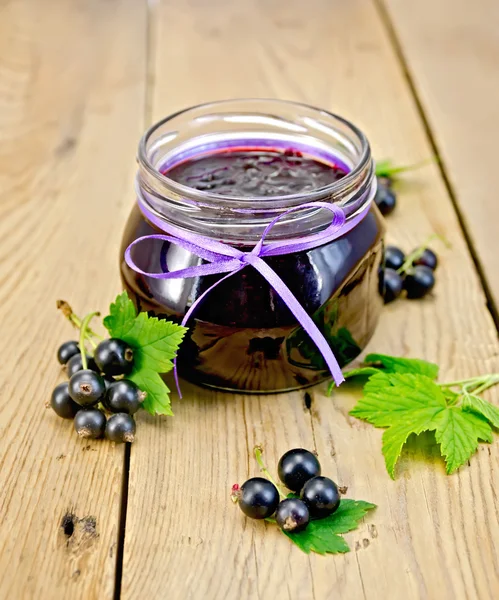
x: 241, y: 220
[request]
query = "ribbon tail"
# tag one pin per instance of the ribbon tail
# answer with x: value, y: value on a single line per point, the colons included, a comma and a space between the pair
x: 302, y: 316
x: 187, y: 315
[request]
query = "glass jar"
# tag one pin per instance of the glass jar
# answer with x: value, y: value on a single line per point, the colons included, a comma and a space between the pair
x: 242, y: 336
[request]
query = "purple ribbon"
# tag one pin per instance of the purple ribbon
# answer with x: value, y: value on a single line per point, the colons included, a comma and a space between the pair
x: 223, y: 258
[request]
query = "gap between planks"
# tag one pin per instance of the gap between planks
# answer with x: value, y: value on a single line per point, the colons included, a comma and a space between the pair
x: 122, y: 523
x: 465, y: 230
x: 150, y: 60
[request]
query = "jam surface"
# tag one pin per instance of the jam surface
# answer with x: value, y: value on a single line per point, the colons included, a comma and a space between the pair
x: 255, y: 172
x: 242, y: 336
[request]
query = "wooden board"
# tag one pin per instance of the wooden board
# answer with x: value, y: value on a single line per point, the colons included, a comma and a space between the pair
x: 451, y: 49
x: 72, y: 78
x: 72, y: 104
x: 432, y: 536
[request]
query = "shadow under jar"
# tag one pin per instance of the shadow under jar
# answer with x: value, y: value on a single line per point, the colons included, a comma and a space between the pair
x: 224, y: 170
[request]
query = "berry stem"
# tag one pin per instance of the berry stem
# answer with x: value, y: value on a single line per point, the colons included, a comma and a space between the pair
x: 83, y: 333
x: 418, y: 253
x: 75, y: 320
x: 467, y: 382
x: 474, y: 385
x: 258, y: 455
x: 385, y: 168
x: 491, y: 381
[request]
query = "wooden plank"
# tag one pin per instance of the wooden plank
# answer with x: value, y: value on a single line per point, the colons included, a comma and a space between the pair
x: 452, y: 53
x: 432, y: 536
x: 72, y: 78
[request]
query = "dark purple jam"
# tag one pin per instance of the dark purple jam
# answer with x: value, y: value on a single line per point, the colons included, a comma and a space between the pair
x: 242, y: 336
x: 255, y: 172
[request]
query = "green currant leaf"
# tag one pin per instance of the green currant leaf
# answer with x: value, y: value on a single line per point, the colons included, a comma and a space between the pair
x: 323, y: 535
x: 458, y: 433
x: 386, y: 168
x: 361, y: 372
x: 352, y: 374
x: 121, y: 316
x: 395, y: 364
x: 450, y: 397
x: 155, y: 342
x: 157, y: 401
x: 393, y: 398
x: 408, y: 403
x: 383, y: 363
x: 475, y: 404
x: 396, y: 436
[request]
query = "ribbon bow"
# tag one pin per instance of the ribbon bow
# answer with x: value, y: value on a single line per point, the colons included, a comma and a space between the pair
x: 223, y: 258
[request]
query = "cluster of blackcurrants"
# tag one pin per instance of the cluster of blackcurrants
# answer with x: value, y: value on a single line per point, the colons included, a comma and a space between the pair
x: 300, y: 472
x: 413, y: 273
x: 96, y: 387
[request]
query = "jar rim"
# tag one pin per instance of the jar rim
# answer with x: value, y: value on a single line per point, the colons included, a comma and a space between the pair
x: 165, y: 185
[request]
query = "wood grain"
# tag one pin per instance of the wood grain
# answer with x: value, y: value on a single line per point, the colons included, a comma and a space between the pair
x: 452, y: 53
x: 72, y: 100
x: 72, y: 79
x: 432, y: 537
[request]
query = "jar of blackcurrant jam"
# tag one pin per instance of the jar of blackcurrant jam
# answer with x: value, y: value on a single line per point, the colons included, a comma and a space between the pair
x: 224, y: 171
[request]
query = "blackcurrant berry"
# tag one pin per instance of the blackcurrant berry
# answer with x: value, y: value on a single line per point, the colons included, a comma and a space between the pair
x: 90, y: 423
x: 385, y: 181
x: 124, y: 396
x: 427, y: 259
x: 108, y: 381
x: 258, y: 498
x: 62, y: 403
x: 296, y: 467
x: 66, y: 351
x: 120, y: 428
x: 292, y: 515
x: 394, y: 257
x: 86, y: 387
x: 393, y: 285
x: 419, y: 282
x: 321, y: 495
x: 385, y: 200
x: 114, y: 357
x: 74, y: 364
